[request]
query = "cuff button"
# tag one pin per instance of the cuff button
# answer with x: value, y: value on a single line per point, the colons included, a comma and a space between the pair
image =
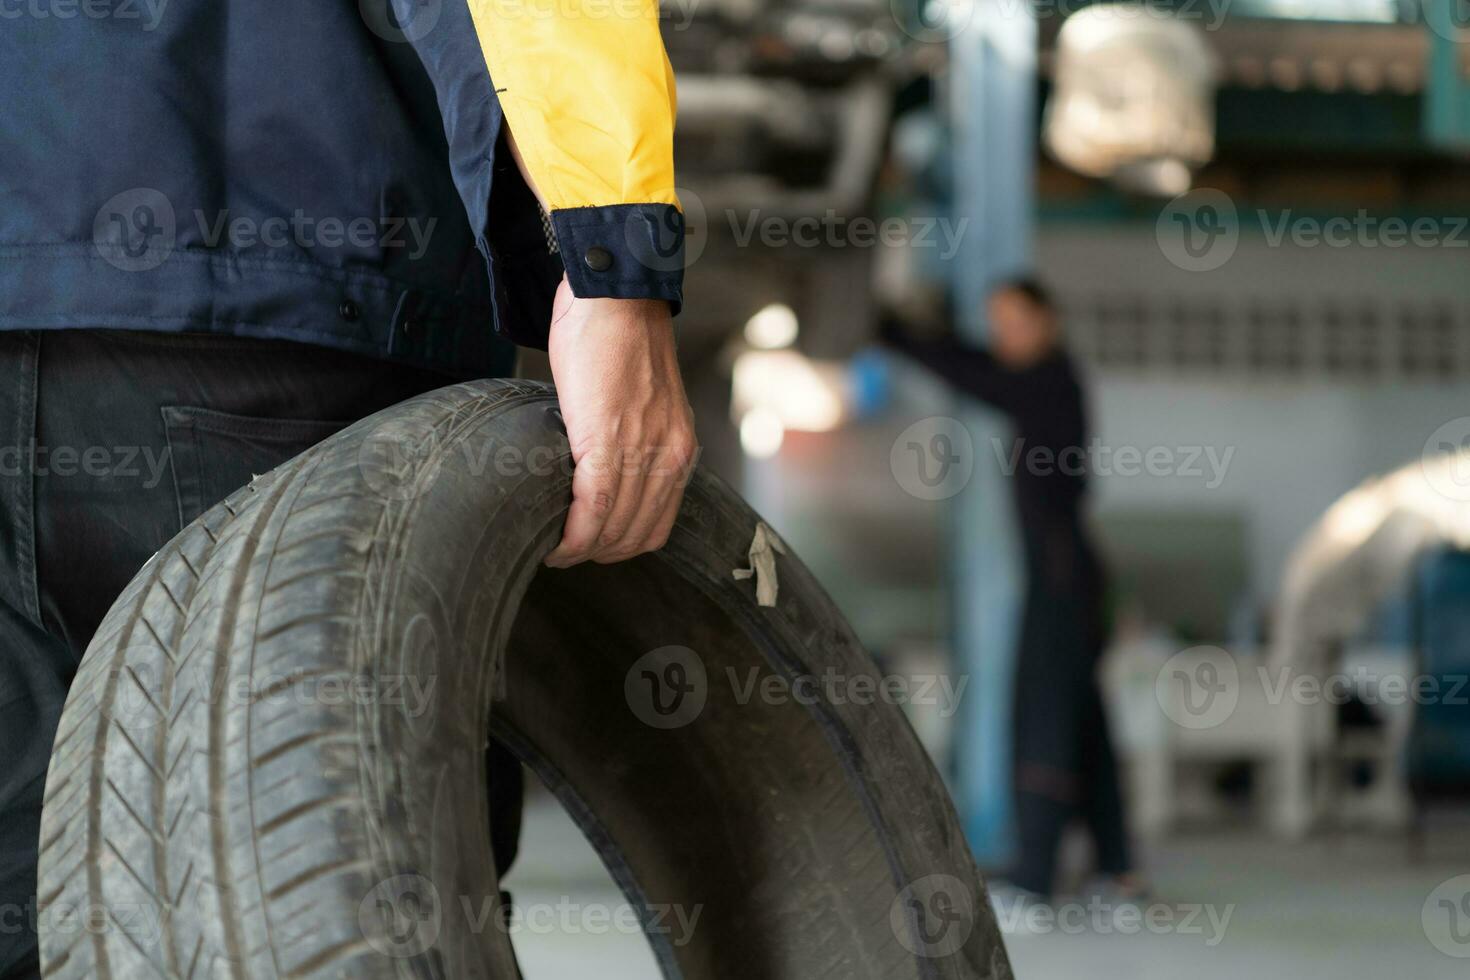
x: 598, y: 259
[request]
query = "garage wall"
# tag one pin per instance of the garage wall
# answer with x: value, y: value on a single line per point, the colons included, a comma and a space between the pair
x: 1307, y: 369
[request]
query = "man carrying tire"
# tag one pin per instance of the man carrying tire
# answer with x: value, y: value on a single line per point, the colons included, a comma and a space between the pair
x: 228, y: 230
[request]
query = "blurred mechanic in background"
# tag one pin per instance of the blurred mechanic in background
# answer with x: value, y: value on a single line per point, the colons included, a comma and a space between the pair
x: 1064, y: 764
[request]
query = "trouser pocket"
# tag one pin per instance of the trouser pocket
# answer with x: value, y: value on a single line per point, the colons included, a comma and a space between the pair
x: 215, y: 453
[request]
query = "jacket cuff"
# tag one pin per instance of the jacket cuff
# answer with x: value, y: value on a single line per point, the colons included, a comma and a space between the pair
x: 623, y: 251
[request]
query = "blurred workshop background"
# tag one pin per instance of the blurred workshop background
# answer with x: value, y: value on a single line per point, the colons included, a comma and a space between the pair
x: 1254, y: 219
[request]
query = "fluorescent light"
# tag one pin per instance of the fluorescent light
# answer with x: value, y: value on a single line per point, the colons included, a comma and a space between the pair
x: 772, y: 327
x: 804, y: 395
x: 761, y: 433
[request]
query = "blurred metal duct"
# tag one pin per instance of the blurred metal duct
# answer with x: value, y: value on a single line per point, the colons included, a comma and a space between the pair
x: 1133, y: 99
x: 791, y: 114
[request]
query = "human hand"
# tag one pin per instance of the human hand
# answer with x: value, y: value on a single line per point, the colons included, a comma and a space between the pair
x: 628, y: 421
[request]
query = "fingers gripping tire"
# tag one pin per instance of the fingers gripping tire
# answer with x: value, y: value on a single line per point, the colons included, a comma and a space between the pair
x: 271, y: 764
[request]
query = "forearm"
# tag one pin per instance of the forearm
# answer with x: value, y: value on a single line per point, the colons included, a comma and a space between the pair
x: 957, y: 363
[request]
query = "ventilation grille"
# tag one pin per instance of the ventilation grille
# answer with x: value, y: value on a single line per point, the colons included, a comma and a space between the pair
x: 1330, y: 338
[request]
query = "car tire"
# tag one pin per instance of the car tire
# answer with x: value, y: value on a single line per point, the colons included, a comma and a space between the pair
x: 272, y: 761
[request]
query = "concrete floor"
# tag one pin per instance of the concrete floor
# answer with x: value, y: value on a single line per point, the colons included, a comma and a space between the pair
x: 1350, y: 909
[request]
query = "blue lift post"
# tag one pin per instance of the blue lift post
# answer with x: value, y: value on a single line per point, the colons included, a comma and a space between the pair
x: 1447, y: 80
x: 992, y: 96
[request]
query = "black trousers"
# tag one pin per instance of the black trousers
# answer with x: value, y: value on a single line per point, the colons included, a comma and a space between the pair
x: 1065, y: 769
x: 110, y: 442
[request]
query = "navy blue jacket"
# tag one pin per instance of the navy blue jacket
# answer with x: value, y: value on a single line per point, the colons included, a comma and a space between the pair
x: 333, y: 172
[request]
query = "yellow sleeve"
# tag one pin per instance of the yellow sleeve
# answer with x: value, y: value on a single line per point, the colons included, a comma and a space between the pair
x: 587, y: 90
